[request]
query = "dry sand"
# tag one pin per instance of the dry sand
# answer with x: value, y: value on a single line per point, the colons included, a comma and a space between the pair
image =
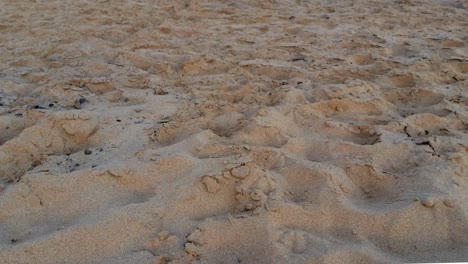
x: 233, y: 131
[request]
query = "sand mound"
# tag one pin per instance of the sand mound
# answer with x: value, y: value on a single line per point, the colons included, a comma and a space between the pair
x: 233, y: 132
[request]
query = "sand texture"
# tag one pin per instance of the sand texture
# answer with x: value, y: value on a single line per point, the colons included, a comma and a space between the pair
x: 233, y: 131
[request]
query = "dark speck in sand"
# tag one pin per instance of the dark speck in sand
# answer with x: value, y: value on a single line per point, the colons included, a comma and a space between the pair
x: 38, y: 107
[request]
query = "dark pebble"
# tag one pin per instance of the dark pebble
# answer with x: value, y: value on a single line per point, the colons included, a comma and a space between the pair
x: 38, y: 107
x: 299, y: 59
x: 87, y: 152
x: 82, y: 100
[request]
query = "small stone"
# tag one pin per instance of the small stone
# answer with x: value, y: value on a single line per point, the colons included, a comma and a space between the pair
x: 116, y: 172
x: 449, y: 203
x: 160, y: 91
x: 240, y: 172
x: 192, y: 249
x: 87, y: 152
x: 428, y: 202
x: 79, y: 102
x: 38, y: 107
x: 195, y: 236
x: 299, y: 59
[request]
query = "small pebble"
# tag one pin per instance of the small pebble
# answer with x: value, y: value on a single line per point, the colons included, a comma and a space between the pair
x: 192, y: 249
x: 449, y: 203
x: 38, y: 107
x: 79, y: 102
x: 87, y: 152
x: 160, y: 91
x: 428, y: 202
x: 299, y: 59
x: 262, y: 112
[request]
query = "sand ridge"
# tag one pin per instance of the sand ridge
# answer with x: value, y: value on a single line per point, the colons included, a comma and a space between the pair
x: 233, y: 131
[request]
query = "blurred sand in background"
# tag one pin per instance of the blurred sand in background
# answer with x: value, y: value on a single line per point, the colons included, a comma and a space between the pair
x: 233, y: 131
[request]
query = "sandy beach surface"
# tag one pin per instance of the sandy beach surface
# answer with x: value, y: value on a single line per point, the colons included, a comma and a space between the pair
x: 241, y: 131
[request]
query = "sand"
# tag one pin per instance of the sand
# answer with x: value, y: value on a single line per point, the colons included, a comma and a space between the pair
x: 233, y: 131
